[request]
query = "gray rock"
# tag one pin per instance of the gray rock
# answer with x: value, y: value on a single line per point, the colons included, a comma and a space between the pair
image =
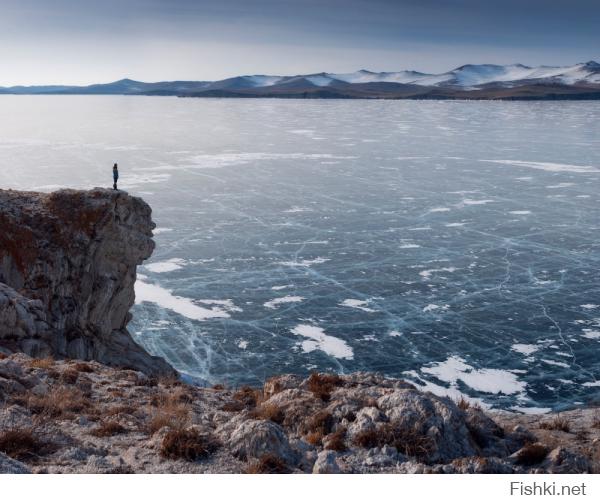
x: 254, y: 438
x: 326, y: 463
x: 437, y: 418
x: 562, y: 461
x: 67, y: 271
x: 12, y: 466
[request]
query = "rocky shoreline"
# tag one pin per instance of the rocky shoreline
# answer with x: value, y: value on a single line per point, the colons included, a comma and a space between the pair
x: 78, y: 395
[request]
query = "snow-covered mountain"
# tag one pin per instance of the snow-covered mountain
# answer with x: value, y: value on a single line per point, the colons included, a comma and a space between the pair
x: 469, y: 76
x: 516, y: 81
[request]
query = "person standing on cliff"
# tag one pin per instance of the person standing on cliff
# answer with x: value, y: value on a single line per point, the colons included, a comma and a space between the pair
x: 115, y: 175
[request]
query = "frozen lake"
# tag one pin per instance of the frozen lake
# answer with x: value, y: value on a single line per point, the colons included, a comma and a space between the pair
x: 455, y: 244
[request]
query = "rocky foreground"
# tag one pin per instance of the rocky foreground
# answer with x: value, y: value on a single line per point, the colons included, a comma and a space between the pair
x: 72, y: 416
x: 78, y: 395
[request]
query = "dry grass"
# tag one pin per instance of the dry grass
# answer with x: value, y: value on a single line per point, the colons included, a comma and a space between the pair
x: 314, y: 438
x: 596, y: 421
x: 83, y: 367
x: 270, y: 412
x: 317, y: 426
x: 248, y: 396
x: 170, y: 411
x: 557, y: 423
x: 232, y: 406
x: 60, y: 402
x: 463, y: 404
x: 22, y: 444
x: 187, y: 444
x: 108, y: 428
x: 367, y: 438
x: 409, y: 441
x: 337, y: 441
x: 69, y: 376
x: 321, y: 385
x: 268, y: 464
x: 532, y: 453
x: 42, y: 363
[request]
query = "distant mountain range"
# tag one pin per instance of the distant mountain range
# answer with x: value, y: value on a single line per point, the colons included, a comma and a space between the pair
x: 482, y: 82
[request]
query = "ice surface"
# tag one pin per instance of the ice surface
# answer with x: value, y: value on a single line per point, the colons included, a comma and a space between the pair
x: 397, y: 270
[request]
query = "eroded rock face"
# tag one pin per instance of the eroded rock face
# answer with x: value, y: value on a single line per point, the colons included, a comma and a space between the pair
x: 67, y: 271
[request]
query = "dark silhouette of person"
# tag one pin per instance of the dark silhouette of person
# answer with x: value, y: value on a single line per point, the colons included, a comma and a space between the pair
x: 115, y: 175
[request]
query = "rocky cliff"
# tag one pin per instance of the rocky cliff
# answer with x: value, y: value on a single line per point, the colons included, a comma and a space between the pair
x: 67, y: 271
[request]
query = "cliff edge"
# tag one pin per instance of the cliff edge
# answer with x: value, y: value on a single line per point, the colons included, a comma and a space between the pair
x: 67, y: 271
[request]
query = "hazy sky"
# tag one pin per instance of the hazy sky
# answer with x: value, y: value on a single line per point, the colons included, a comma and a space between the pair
x: 83, y: 41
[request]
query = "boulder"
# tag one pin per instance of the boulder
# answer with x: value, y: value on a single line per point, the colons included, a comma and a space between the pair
x: 436, y: 418
x: 254, y: 438
x: 326, y: 463
x: 12, y: 466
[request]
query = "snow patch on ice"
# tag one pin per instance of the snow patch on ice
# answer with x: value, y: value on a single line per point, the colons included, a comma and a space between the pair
x: 318, y: 340
x: 493, y: 381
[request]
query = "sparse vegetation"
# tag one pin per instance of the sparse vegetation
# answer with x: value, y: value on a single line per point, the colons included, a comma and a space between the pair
x: 463, y: 404
x: 321, y: 385
x: 108, y: 428
x: 337, y: 441
x: 83, y: 367
x: 60, y: 402
x: 22, y: 444
x: 248, y: 396
x: 187, y: 444
x: 42, y: 363
x: 269, y: 411
x: 557, y: 423
x: 268, y: 464
x: 69, y: 376
x: 409, y: 441
x: 169, y: 411
x: 531, y: 454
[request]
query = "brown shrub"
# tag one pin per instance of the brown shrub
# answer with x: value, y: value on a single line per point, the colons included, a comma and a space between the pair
x: 69, y: 376
x: 3, y: 356
x: 145, y: 381
x: 463, y: 404
x: 596, y: 421
x: 268, y: 464
x: 367, y: 438
x: 337, y: 441
x: 314, y: 438
x: 409, y: 441
x: 270, y: 412
x: 322, y: 422
x: 321, y: 385
x: 45, y: 363
x: 218, y: 386
x: 83, y: 367
x: 248, y: 396
x: 169, y: 411
x: 557, y: 423
x: 108, y: 428
x: 232, y: 406
x: 22, y: 444
x: 187, y: 444
x: 532, y: 453
x: 58, y: 403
